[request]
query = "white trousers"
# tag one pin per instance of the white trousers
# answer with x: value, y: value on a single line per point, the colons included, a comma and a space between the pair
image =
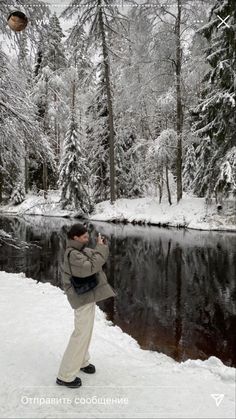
x: 76, y: 355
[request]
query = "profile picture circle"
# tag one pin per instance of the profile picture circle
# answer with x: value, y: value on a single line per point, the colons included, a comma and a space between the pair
x: 17, y: 21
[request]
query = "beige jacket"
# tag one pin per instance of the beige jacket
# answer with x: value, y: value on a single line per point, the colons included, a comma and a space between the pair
x: 82, y: 265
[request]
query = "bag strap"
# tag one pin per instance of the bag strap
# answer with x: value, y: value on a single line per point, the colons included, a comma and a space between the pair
x: 68, y: 257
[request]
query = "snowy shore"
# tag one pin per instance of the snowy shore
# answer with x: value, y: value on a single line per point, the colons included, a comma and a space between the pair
x: 36, y: 327
x: 191, y: 212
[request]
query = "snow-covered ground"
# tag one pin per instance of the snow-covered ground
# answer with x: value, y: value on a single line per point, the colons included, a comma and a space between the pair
x: 38, y: 205
x: 36, y: 323
x: 191, y: 212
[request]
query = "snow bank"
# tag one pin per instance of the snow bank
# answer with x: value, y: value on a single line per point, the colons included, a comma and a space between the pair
x: 129, y: 382
x: 191, y: 212
x: 38, y: 205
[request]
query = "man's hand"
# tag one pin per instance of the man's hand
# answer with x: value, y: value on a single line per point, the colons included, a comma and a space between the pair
x: 100, y: 239
x: 104, y: 239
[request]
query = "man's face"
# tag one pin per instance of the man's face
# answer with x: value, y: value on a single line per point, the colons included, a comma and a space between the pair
x: 82, y: 239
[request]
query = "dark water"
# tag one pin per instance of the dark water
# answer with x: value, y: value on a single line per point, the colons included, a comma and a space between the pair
x: 176, y: 289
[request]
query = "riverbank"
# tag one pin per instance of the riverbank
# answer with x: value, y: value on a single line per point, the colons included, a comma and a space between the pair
x: 190, y: 213
x: 141, y: 383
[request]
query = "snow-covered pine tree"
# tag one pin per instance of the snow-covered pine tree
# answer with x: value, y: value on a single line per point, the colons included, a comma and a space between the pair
x: 204, y: 152
x: 99, y: 18
x: 25, y: 72
x: 54, y: 54
x: 50, y: 95
x: 42, y: 98
x: 97, y: 131
x: 214, y: 117
x: 49, y: 85
x: 19, y: 131
x: 19, y: 128
x: 189, y: 168
x: 73, y: 178
x: 18, y: 193
x: 226, y: 181
x: 129, y: 163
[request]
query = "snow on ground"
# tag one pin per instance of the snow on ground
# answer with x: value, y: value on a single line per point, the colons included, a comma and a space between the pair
x: 36, y: 323
x: 38, y: 205
x: 191, y: 212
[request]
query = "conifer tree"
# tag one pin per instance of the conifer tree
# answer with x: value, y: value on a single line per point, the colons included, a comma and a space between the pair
x: 99, y: 18
x: 47, y: 92
x: 189, y: 170
x: 54, y: 54
x: 98, y: 139
x: 74, y: 174
x: 214, y: 117
x: 204, y: 153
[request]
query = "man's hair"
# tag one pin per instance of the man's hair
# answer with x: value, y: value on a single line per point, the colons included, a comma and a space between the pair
x: 77, y: 230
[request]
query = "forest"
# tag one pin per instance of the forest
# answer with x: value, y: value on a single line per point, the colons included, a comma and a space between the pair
x: 113, y: 100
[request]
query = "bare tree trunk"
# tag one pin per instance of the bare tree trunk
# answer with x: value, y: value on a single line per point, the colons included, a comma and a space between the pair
x: 142, y: 123
x: 56, y: 139
x: 73, y: 96
x: 45, y: 180
x: 45, y: 169
x: 168, y: 185
x: 56, y: 131
x: 26, y: 175
x: 160, y: 192
x: 109, y: 102
x: 1, y: 186
x: 179, y: 110
x: 160, y: 184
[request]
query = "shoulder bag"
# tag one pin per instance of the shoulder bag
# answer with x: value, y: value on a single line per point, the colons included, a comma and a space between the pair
x: 82, y: 285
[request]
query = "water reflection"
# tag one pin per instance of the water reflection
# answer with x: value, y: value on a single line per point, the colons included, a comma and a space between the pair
x: 176, y: 289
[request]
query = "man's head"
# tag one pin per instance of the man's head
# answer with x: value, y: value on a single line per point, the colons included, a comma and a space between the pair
x: 78, y: 232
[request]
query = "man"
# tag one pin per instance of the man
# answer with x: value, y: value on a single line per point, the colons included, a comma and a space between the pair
x: 84, y: 261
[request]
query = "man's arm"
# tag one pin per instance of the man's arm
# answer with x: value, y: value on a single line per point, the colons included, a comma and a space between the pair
x: 83, y: 265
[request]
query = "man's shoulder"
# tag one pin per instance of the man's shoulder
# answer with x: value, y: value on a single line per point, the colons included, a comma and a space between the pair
x: 79, y: 251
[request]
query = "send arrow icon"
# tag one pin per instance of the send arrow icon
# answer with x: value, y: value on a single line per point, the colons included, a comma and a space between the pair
x: 218, y: 398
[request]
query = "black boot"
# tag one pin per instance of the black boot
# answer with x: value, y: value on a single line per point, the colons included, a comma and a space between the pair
x: 71, y: 384
x: 90, y: 369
